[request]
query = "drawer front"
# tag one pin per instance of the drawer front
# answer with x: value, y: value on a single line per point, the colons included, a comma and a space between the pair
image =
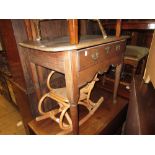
x: 115, y: 54
x: 90, y: 56
x: 102, y: 53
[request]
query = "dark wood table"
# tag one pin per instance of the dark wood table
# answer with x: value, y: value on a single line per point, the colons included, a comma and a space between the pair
x: 79, y: 63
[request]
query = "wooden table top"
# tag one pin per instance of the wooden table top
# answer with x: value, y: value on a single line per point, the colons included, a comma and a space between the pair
x: 62, y: 43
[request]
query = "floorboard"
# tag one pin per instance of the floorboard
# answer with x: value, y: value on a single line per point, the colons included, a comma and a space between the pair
x: 10, y: 119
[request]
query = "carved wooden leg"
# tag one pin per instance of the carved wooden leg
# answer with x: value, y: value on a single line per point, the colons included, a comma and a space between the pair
x: 117, y: 79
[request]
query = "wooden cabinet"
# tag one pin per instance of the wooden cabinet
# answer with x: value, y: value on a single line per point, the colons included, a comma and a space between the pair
x: 15, y: 84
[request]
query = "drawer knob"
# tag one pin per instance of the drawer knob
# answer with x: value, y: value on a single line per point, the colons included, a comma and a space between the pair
x: 95, y: 56
x: 107, y: 49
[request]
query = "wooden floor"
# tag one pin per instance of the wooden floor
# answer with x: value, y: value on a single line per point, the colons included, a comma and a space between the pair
x: 109, y: 86
x: 10, y: 119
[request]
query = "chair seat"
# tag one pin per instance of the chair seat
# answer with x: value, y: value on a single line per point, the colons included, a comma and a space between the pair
x: 61, y: 93
x: 135, y: 52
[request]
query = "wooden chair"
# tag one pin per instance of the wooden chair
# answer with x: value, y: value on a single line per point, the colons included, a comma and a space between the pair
x: 135, y: 54
x: 61, y: 114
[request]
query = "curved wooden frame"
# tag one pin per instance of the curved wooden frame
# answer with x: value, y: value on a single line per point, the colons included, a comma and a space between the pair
x: 64, y: 105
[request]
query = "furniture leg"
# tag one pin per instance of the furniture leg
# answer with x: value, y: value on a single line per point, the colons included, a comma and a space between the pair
x: 134, y: 70
x: 41, y: 70
x: 71, y: 78
x: 74, y: 117
x: 35, y: 80
x: 117, y: 79
x: 103, y: 80
x: 143, y: 66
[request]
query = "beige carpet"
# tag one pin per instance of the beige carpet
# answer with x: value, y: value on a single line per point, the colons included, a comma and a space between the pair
x: 10, y: 119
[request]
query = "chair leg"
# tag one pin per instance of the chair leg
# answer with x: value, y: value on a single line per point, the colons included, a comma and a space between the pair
x: 133, y: 74
x: 134, y: 70
x: 62, y: 110
x: 117, y: 80
x: 143, y: 66
x: 103, y: 80
x: 91, y: 112
x: 61, y: 115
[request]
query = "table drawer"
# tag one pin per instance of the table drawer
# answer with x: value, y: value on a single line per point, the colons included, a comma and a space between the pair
x: 91, y: 56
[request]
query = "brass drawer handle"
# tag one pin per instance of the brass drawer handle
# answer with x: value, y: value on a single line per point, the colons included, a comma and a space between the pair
x: 118, y: 47
x: 107, y: 49
x: 95, y: 56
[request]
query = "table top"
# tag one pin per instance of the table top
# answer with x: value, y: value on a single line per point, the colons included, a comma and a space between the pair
x: 62, y: 43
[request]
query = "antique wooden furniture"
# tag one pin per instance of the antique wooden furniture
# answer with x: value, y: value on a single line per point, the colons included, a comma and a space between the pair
x: 78, y: 62
x: 59, y: 95
x: 6, y: 88
x: 4, y: 72
x: 11, y: 32
x: 134, y: 54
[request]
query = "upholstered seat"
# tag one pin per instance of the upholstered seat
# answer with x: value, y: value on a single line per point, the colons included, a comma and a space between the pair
x: 135, y: 53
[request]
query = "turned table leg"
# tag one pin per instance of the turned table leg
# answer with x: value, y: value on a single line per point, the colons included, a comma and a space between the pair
x: 117, y: 80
